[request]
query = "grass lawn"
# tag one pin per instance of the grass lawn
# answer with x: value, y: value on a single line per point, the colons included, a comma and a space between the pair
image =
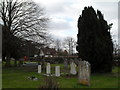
x: 16, y: 77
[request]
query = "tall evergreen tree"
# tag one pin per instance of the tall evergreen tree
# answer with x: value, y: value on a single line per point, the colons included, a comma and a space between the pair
x: 94, y: 40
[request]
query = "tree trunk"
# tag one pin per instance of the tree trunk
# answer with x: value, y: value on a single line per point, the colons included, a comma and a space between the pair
x: 43, y: 65
x: 3, y: 58
x: 8, y: 61
x: 38, y: 59
x: 15, y: 63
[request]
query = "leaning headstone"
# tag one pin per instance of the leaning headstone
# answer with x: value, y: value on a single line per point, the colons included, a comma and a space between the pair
x: 73, y: 68
x: 57, y: 71
x: 84, y: 73
x: 48, y: 68
x: 39, y: 68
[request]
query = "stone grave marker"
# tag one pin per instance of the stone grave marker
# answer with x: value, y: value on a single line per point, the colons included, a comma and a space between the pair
x: 76, y: 61
x: 39, y: 68
x: 57, y: 71
x: 48, y: 68
x: 84, y: 73
x: 73, y: 68
x: 65, y: 64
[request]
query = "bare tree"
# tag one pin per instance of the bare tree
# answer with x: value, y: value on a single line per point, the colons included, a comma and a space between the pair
x: 23, y: 19
x: 69, y: 43
x: 57, y: 43
x: 49, y: 41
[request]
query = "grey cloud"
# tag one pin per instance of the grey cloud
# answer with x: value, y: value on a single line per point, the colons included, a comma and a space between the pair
x: 60, y: 25
x: 64, y: 8
x: 109, y: 9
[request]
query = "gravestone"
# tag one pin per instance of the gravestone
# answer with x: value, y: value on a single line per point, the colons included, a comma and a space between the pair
x: 76, y: 61
x: 73, y: 68
x: 57, y: 71
x: 39, y: 68
x: 48, y: 68
x: 65, y: 64
x: 84, y: 73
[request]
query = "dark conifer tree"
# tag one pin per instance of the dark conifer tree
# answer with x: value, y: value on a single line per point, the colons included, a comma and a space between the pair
x: 94, y: 40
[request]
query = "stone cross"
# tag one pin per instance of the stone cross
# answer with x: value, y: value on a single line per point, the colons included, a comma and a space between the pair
x: 39, y: 68
x: 57, y: 71
x: 73, y: 68
x: 84, y: 73
x: 48, y: 68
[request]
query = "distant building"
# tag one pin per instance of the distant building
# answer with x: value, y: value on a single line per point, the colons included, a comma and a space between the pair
x: 49, y: 52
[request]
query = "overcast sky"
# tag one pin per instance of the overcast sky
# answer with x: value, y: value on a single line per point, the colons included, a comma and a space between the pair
x: 64, y: 15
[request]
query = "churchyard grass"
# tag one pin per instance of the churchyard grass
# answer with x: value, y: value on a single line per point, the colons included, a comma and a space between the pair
x: 116, y: 69
x: 16, y: 77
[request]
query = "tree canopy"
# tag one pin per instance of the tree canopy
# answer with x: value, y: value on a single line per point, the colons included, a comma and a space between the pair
x: 22, y: 20
x: 94, y: 42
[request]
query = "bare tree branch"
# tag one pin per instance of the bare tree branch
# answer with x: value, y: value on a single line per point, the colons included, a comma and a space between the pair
x: 69, y: 44
x: 23, y: 19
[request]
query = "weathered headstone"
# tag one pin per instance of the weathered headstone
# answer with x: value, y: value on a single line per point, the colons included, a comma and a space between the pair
x: 73, y: 68
x: 48, y: 68
x: 57, y: 71
x: 39, y: 68
x: 76, y: 61
x: 84, y: 73
x: 65, y: 64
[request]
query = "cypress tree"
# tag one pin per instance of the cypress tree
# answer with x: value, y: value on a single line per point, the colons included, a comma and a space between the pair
x: 94, y: 40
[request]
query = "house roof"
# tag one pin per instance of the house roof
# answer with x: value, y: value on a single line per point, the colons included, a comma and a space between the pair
x: 49, y: 51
